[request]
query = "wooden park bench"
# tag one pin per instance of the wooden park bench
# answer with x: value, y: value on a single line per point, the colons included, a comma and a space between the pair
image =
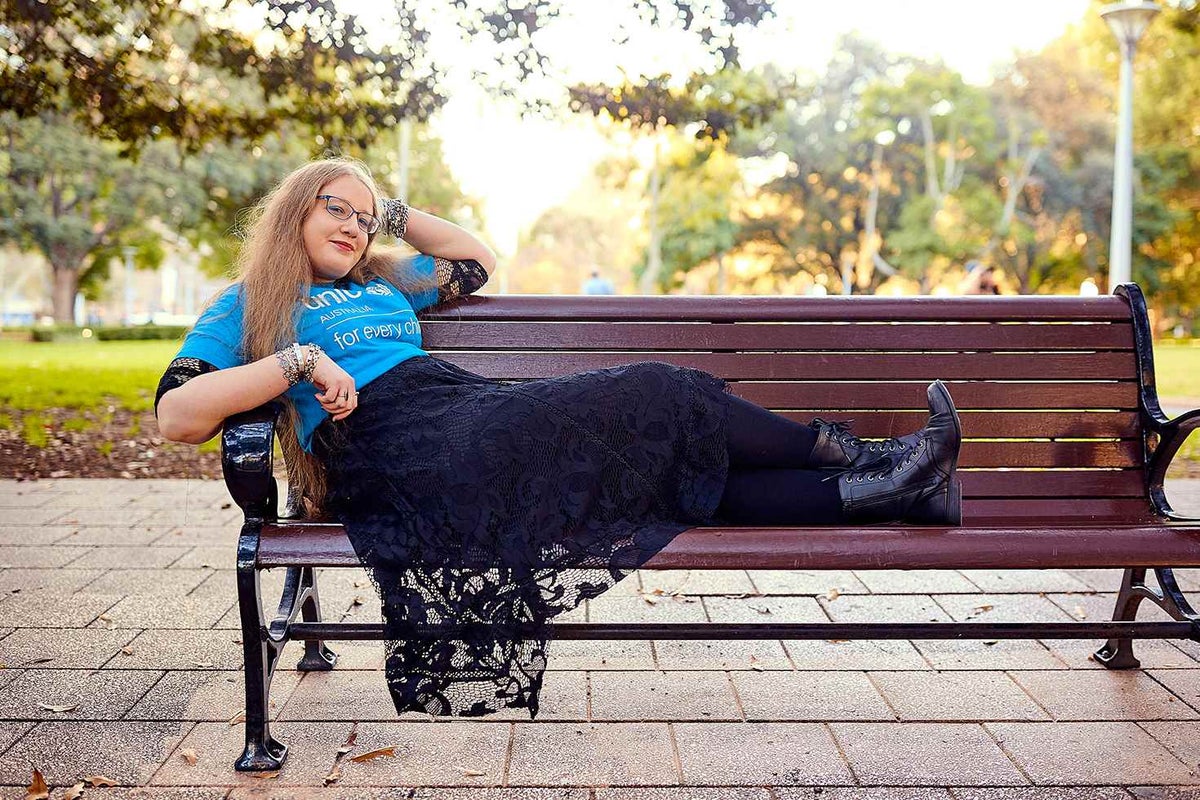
x: 1062, y: 465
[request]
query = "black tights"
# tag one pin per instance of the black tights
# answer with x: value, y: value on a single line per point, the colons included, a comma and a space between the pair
x: 771, y: 481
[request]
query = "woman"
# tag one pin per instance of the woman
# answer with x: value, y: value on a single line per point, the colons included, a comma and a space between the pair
x: 483, y: 509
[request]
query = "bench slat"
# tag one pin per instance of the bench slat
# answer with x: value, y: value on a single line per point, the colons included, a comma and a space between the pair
x: 911, y: 396
x: 1073, y: 484
x: 455, y: 335
x: 988, y: 424
x: 790, y: 309
x: 1112, y: 455
x: 878, y: 547
x: 816, y: 366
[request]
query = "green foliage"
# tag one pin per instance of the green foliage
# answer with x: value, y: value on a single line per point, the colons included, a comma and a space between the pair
x: 83, y: 375
x: 174, y: 333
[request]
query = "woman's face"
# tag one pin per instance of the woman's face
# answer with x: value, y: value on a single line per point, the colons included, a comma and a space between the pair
x: 335, y: 245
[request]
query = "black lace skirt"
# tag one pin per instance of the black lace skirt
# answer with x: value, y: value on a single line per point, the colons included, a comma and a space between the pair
x: 483, y: 509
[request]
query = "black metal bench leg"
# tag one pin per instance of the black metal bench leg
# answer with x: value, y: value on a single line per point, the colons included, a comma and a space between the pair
x: 317, y: 656
x: 1118, y: 653
x: 262, y: 752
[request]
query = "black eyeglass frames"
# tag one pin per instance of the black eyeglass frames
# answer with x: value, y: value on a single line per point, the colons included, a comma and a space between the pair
x: 340, y: 209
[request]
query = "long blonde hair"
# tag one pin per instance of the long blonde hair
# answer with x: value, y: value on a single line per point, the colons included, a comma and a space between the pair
x: 276, y: 274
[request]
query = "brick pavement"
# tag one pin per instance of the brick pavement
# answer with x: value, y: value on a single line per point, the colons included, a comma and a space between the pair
x: 120, y: 654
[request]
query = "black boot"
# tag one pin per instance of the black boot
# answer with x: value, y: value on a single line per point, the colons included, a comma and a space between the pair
x: 919, y: 486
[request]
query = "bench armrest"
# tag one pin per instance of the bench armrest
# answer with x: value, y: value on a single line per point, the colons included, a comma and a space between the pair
x: 247, y: 453
x: 1171, y: 436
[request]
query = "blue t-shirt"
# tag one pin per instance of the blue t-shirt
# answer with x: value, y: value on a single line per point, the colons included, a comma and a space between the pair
x: 367, y: 330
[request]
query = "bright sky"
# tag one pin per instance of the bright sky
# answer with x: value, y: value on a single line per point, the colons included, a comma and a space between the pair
x: 519, y: 168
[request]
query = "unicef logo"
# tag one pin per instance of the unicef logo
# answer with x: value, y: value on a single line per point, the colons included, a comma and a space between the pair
x: 379, y: 289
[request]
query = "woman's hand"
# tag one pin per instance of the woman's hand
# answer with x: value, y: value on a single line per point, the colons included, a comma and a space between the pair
x: 337, y: 395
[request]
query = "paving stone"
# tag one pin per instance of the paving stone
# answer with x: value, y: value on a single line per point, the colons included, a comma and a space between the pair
x: 1184, y: 684
x: 34, y: 535
x: 127, y: 752
x: 112, y: 514
x: 55, y: 609
x: 1104, y: 753
x: 1011, y: 581
x: 1005, y: 654
x: 64, y: 647
x: 823, y: 654
x: 14, y: 498
x: 924, y: 754
x: 29, y: 516
x: 10, y: 732
x: 696, y: 581
x: 312, y: 747
x: 784, y: 581
x: 1107, y: 695
x: 207, y: 696
x: 1180, y: 739
x: 759, y: 753
x: 884, y: 608
x: 682, y: 793
x: 148, y: 582
x: 113, y: 536
x: 1001, y: 608
x: 634, y: 609
x: 106, y: 694
x: 183, y: 649
x: 63, y: 579
x: 1041, y: 793
x: 731, y: 654
x: 1166, y: 792
x: 618, y: 753
x: 166, y: 611
x: 441, y: 793
x: 130, y: 557
x: 1100, y: 580
x: 441, y: 754
x: 868, y: 793
x: 213, y: 557
x: 46, y: 557
x: 915, y: 581
x: 159, y: 793
x: 341, y: 695
x: 351, y: 655
x: 648, y: 696
x: 213, y: 536
x: 803, y: 696
x: 764, y: 609
x: 956, y: 696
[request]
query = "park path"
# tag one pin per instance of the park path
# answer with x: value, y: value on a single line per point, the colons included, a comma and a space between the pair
x: 120, y: 646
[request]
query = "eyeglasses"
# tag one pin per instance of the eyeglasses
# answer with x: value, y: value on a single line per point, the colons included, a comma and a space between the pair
x: 340, y: 209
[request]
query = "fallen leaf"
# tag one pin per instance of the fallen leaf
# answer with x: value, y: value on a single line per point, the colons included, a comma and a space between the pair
x: 75, y: 792
x: 833, y: 594
x: 471, y: 773
x: 58, y: 709
x: 100, y: 780
x: 127, y: 651
x: 37, y: 790
x: 982, y: 608
x: 374, y: 754
x: 762, y: 609
x: 348, y: 745
x: 265, y: 776
x: 104, y: 618
x: 204, y: 664
x: 189, y: 755
x: 334, y: 775
x: 36, y: 661
x: 1079, y: 612
x: 756, y: 668
x: 991, y: 642
x: 237, y: 718
x: 649, y: 600
x: 357, y: 601
x: 741, y: 596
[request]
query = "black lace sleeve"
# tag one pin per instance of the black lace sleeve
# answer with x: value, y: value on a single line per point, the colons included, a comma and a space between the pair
x: 458, y: 278
x: 179, y: 372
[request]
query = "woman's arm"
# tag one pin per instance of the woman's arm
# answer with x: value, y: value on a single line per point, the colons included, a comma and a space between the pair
x: 193, y: 412
x: 442, y: 238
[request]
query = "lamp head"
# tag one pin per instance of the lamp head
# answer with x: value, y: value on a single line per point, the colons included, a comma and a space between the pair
x: 1128, y: 21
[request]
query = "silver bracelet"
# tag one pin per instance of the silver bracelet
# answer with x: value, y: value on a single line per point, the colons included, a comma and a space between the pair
x: 289, y: 364
x: 395, y: 217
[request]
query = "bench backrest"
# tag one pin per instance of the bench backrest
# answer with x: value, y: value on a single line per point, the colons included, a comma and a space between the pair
x: 1022, y: 370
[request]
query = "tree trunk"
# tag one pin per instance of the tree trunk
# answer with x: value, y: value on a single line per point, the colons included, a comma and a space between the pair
x: 66, y: 284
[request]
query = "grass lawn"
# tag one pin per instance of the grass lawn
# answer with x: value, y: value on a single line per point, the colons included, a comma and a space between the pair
x: 1177, y: 370
x: 83, y: 375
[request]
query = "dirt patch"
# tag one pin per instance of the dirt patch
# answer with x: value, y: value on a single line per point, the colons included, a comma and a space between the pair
x: 116, y: 444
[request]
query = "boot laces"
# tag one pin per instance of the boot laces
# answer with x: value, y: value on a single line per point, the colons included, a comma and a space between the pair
x: 841, y: 434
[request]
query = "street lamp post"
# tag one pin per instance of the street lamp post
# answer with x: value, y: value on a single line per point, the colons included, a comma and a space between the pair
x: 1128, y: 22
